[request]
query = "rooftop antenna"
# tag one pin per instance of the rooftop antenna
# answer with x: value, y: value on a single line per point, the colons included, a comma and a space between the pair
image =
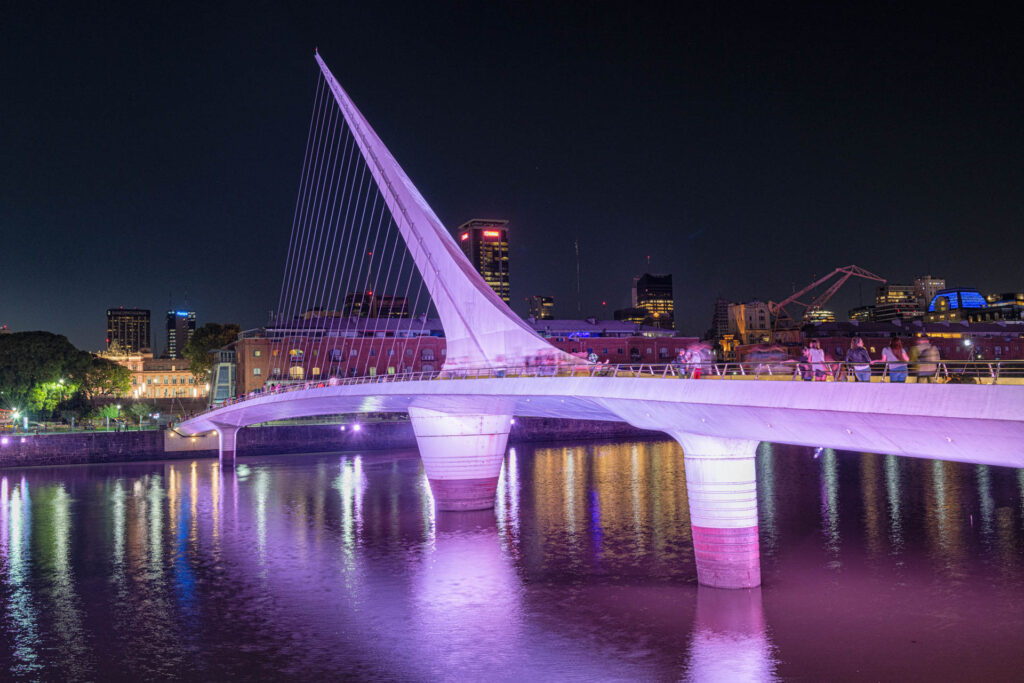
x: 579, y: 302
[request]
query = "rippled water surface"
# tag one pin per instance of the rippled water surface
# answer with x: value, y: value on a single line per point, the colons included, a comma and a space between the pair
x: 313, y: 567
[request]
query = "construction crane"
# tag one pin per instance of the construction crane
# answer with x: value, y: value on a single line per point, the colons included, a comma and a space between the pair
x: 778, y: 310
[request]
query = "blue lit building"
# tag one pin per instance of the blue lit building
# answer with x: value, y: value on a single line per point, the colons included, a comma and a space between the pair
x: 959, y: 304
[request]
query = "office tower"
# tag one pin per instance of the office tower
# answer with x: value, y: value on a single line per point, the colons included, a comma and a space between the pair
x: 653, y: 293
x: 180, y: 327
x: 485, y: 244
x: 128, y: 330
x: 541, y: 307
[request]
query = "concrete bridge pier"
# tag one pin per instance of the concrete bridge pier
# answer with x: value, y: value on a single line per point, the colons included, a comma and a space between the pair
x: 226, y: 435
x: 722, y: 490
x: 462, y: 455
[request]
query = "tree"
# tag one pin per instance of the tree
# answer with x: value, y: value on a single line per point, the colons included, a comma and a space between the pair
x: 104, y: 377
x: 207, y: 338
x: 140, y: 411
x: 39, y: 369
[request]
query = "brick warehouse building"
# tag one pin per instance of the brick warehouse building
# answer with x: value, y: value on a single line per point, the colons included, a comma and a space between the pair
x: 386, y: 346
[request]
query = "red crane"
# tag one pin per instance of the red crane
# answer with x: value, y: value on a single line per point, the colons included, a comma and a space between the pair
x: 843, y: 274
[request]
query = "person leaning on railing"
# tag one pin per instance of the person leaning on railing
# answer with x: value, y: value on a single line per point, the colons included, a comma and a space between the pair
x: 896, y: 358
x: 859, y: 357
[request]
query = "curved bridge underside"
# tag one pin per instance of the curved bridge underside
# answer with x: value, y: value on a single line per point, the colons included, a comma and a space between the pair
x: 966, y: 423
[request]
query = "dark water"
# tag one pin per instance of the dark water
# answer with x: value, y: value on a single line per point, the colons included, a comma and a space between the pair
x: 336, y: 567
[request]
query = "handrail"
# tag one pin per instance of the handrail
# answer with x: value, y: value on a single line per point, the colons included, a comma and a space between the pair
x: 949, y: 371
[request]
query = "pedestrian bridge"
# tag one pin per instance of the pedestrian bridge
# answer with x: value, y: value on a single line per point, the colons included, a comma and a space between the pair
x: 361, y: 225
x: 971, y: 423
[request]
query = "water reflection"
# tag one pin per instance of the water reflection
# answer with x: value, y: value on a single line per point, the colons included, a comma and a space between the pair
x: 730, y: 638
x: 466, y: 595
x: 830, y: 504
x: 301, y: 567
x: 892, y: 502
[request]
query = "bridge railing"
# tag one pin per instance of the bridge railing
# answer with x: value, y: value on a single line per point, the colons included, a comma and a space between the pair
x: 946, y: 371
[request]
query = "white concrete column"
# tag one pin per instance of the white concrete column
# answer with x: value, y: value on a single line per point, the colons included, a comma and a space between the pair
x: 462, y: 456
x: 722, y: 490
x: 226, y: 435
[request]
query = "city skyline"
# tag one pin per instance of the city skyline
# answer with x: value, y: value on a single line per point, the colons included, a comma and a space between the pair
x: 737, y: 163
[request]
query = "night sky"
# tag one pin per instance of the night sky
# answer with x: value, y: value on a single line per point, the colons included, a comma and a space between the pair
x: 156, y: 147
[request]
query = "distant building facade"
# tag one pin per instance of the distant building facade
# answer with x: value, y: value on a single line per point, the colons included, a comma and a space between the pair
x: 925, y: 289
x: 541, y: 307
x: 1007, y: 306
x: 154, y: 378
x: 751, y: 322
x: 958, y: 304
x: 819, y: 315
x: 280, y: 356
x: 653, y: 293
x: 181, y: 325
x: 371, y: 305
x: 128, y: 330
x: 485, y: 244
x: 895, y: 302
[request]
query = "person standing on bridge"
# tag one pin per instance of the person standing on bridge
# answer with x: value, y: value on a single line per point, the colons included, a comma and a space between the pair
x: 896, y: 358
x: 927, y: 357
x: 860, y: 358
x: 815, y: 357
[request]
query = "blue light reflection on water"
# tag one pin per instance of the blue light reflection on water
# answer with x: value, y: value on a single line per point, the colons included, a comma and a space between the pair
x: 309, y: 566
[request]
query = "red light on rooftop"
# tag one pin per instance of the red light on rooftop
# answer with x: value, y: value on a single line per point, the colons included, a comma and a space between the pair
x: 492, y: 233
x: 464, y: 236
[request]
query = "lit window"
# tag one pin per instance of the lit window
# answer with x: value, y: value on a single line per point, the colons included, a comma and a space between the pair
x: 256, y: 353
x: 257, y: 371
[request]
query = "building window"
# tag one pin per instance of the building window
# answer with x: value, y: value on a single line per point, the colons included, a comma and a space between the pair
x: 257, y: 371
x: 316, y: 372
x: 256, y: 353
x: 373, y: 352
x: 296, y: 355
x: 275, y: 352
x: 427, y: 354
x: 408, y: 352
x: 353, y: 353
x: 296, y: 372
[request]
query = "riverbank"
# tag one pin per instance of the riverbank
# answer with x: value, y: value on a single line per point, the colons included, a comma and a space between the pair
x: 112, y: 447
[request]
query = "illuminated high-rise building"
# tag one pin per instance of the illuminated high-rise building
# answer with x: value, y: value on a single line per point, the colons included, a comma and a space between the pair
x: 653, y: 293
x: 128, y: 330
x: 541, y: 307
x: 181, y: 325
x: 485, y: 244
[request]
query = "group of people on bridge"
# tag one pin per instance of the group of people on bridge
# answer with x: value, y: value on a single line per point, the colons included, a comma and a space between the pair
x: 923, y: 356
